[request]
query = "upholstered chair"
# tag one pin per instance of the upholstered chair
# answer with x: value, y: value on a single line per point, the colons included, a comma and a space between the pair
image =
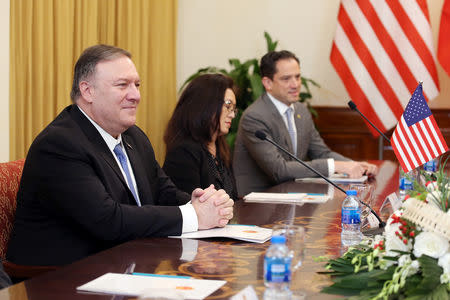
x: 10, y: 173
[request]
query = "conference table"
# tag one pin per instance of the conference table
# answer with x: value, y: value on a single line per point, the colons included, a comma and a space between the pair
x: 239, y: 263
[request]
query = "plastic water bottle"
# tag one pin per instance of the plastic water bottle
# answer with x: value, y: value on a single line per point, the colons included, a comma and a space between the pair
x: 277, y: 267
x: 406, y: 182
x: 430, y: 166
x: 351, y: 220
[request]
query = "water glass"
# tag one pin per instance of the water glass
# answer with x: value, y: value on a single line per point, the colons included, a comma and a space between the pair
x: 295, y: 237
x: 365, y: 194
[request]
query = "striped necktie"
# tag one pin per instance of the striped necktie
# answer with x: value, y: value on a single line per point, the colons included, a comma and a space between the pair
x: 291, y: 130
x: 123, y: 162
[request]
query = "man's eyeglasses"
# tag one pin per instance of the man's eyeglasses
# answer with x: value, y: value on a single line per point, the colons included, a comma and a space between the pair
x: 230, y: 107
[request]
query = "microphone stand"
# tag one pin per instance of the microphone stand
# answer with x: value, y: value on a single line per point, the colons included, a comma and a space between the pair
x: 262, y: 136
x: 352, y: 105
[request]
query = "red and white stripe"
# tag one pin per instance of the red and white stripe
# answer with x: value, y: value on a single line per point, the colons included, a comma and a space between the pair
x: 417, y: 144
x: 381, y: 50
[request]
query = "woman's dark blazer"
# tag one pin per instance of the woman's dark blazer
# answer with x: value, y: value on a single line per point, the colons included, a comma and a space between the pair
x: 187, y: 165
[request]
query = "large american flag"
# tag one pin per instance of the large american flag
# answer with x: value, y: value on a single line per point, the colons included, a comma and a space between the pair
x: 417, y: 138
x: 380, y: 51
x: 444, y: 38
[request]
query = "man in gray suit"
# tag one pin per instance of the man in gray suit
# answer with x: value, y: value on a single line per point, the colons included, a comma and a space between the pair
x: 258, y: 164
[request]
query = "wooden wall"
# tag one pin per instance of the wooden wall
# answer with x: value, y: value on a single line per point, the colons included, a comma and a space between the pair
x: 345, y: 132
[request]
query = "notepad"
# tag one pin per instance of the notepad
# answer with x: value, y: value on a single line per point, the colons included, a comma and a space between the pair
x: 135, y: 285
x: 336, y: 178
x: 248, y: 233
x: 315, y: 198
x: 275, y: 197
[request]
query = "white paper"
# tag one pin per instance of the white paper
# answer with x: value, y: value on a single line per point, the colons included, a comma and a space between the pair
x: 136, y: 285
x: 248, y: 293
x: 315, y: 198
x: 288, y: 198
x: 248, y: 233
x: 275, y: 197
x: 336, y: 178
x: 396, y: 203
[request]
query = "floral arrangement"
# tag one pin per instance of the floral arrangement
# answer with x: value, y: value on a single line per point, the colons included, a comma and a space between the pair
x: 411, y: 259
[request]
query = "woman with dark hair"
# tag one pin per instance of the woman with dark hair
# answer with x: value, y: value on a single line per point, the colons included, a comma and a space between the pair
x: 197, y: 153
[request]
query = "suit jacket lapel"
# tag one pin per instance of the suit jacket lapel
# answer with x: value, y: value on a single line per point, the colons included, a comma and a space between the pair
x: 285, y: 138
x: 143, y: 186
x: 299, y: 126
x: 97, y: 141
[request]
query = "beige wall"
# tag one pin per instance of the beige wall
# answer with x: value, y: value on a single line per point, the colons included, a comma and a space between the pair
x: 4, y: 80
x: 211, y: 31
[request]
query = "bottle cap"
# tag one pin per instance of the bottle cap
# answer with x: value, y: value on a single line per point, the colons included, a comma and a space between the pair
x: 278, y: 239
x: 351, y: 193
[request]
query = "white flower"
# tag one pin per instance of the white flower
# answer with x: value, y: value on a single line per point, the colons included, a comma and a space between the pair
x: 445, y: 278
x: 431, y: 186
x: 392, y: 227
x: 444, y: 262
x: 384, y: 264
x: 404, y: 260
x: 393, y: 242
x: 431, y: 244
x: 377, y: 239
x: 413, y: 268
x: 434, y: 198
x: 415, y: 265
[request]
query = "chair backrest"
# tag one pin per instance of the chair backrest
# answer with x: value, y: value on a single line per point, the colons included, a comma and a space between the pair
x: 10, y: 174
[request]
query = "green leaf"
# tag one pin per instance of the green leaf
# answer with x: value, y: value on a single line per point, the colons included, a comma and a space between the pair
x: 202, y: 71
x: 256, y: 86
x: 439, y: 293
x: 270, y: 44
x: 431, y: 273
x: 304, y: 96
x: 339, y: 291
x: 234, y: 62
x: 231, y: 137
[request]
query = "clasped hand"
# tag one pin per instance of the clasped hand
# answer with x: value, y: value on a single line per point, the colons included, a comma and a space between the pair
x: 214, y: 208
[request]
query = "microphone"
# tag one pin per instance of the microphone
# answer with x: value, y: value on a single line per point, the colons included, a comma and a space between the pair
x: 352, y: 105
x: 262, y: 136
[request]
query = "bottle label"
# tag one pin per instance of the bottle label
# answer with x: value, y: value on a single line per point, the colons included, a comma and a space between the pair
x: 430, y: 166
x: 405, y: 184
x: 277, y: 270
x: 350, y: 216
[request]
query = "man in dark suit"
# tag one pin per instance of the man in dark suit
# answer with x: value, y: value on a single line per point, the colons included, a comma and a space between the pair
x: 91, y: 180
x: 258, y: 164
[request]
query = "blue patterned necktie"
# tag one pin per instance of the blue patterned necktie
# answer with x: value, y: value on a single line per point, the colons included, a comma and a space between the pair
x: 123, y: 161
x: 290, y: 121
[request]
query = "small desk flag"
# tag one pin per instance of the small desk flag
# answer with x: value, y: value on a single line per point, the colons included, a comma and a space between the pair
x: 417, y: 138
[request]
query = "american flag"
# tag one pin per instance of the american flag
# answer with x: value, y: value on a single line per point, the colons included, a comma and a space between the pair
x: 444, y: 40
x: 380, y: 51
x: 417, y: 138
